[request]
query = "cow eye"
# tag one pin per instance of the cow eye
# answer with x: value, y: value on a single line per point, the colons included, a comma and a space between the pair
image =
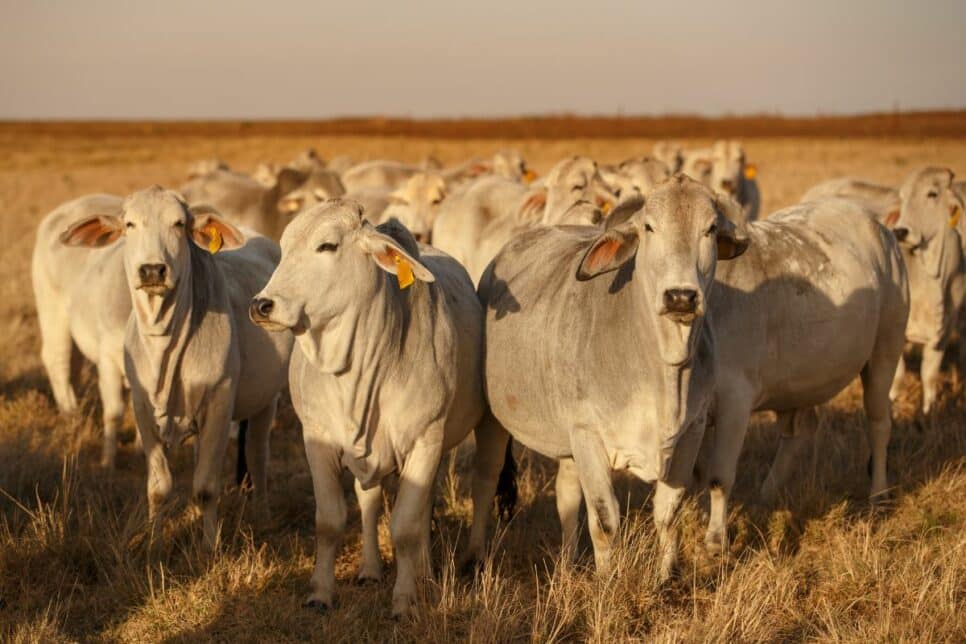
x: 932, y: 194
x: 179, y: 224
x: 712, y: 229
x: 326, y: 248
x: 580, y: 188
x: 129, y: 225
x: 647, y: 228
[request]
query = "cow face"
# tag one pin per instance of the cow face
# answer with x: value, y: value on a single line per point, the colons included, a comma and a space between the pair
x: 416, y: 204
x: 574, y: 180
x: 158, y: 228
x: 675, y: 241
x: 727, y: 167
x: 332, y: 261
x: 929, y: 205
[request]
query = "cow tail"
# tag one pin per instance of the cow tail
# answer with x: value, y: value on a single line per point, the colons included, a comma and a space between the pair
x: 506, y: 487
x: 241, y: 469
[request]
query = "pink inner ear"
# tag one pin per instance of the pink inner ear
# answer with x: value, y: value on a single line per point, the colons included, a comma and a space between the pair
x: 602, y: 255
x: 93, y: 233
x: 891, y: 219
x: 386, y: 258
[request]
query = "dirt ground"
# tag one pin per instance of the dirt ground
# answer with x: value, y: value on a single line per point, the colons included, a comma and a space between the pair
x: 78, y: 561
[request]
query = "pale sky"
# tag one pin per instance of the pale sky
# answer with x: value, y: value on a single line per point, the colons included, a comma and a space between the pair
x: 316, y: 59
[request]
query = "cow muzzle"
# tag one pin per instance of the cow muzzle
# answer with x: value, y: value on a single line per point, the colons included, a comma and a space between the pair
x: 680, y: 304
x: 260, y: 312
x: 153, y: 278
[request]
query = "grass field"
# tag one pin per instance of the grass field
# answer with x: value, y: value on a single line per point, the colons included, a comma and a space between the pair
x: 78, y: 561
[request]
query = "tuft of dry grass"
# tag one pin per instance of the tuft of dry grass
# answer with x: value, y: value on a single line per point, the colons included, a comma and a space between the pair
x: 79, y: 560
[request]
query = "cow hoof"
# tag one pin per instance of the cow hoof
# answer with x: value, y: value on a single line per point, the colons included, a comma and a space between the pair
x: 319, y: 606
x: 715, y: 543
x: 402, y: 607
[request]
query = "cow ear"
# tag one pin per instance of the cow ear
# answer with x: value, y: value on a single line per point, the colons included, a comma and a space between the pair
x: 731, y: 237
x: 393, y: 258
x: 211, y: 231
x: 289, y: 179
x: 534, y: 204
x: 609, y: 252
x: 93, y: 232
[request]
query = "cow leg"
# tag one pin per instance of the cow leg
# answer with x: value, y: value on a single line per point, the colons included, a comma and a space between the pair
x: 603, y: 512
x: 876, y: 378
x: 158, y: 473
x: 931, y: 361
x: 409, y: 523
x: 796, y: 429
x: 56, y: 351
x: 569, y: 496
x: 370, y: 505
x: 667, y: 500
x: 731, y: 424
x: 491, y: 441
x: 330, y: 518
x: 257, y: 448
x: 110, y: 382
x: 212, y: 443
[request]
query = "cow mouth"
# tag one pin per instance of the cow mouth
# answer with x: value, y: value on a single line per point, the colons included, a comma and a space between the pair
x: 270, y: 325
x: 154, y: 288
x: 686, y: 318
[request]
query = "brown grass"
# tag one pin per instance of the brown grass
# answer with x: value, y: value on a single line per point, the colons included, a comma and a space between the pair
x: 79, y: 562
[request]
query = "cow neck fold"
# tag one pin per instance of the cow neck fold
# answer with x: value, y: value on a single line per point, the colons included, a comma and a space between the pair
x: 673, y: 382
x: 165, y: 326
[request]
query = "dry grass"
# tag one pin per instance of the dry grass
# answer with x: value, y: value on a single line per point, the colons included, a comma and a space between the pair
x: 79, y: 562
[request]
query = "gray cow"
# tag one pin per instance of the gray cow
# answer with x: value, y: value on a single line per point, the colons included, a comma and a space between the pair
x: 83, y: 302
x: 931, y: 228
x: 385, y: 377
x: 194, y: 360
x: 565, y: 306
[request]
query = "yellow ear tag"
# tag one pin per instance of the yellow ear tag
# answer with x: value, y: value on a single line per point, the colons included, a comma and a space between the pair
x: 750, y: 171
x: 404, y: 272
x: 606, y: 207
x: 215, y: 242
x: 954, y: 218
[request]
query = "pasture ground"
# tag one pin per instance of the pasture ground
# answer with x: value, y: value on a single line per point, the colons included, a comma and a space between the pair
x: 78, y: 561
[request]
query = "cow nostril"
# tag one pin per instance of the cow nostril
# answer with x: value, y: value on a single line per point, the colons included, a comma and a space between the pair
x: 728, y: 185
x: 680, y: 300
x: 262, y: 307
x: 900, y: 233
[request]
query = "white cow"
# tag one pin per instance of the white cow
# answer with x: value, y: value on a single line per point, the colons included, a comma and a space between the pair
x: 724, y: 169
x: 83, y: 302
x: 194, y: 360
x: 930, y: 229
x: 600, y: 353
x: 385, y: 378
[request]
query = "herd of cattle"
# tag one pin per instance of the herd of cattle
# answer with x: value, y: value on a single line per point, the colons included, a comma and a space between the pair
x: 611, y: 317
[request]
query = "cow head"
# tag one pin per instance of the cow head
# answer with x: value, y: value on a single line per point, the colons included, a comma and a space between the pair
x: 159, y: 230
x: 416, y: 204
x: 573, y: 180
x: 675, y: 241
x: 929, y: 210
x: 307, y: 190
x: 333, y: 266
x: 510, y: 164
x: 728, y: 167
